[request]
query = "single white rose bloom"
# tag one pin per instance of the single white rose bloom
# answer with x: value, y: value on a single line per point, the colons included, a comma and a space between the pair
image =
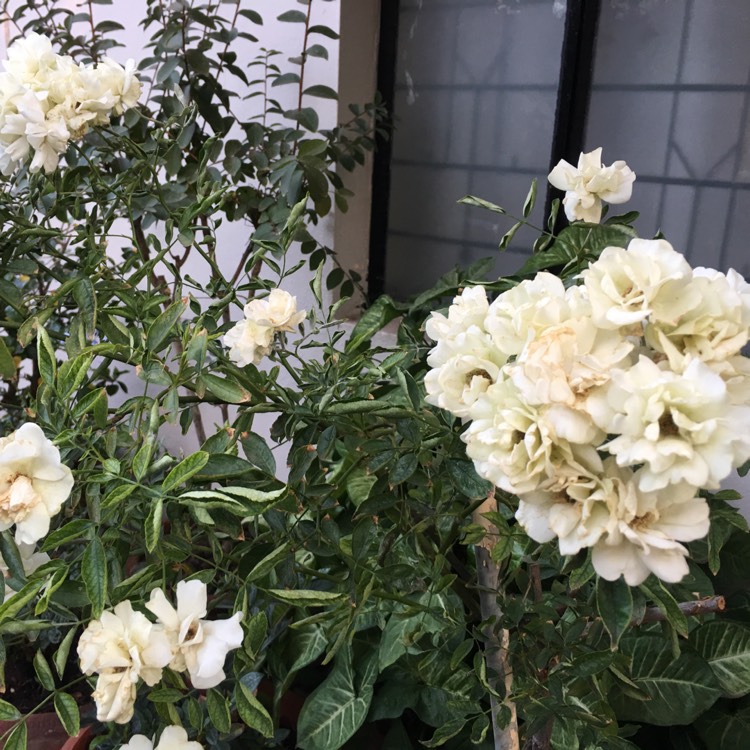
x: 565, y: 361
x: 121, y: 647
x: 648, y: 281
x: 467, y: 311
x: 591, y: 183
x: 121, y: 83
x: 648, y: 530
x: 682, y: 427
x: 278, y: 311
x: 31, y: 561
x: 33, y: 483
x: 521, y: 447
x: 172, y: 738
x: 714, y: 328
x: 518, y: 315
x: 248, y: 342
x: 200, y: 646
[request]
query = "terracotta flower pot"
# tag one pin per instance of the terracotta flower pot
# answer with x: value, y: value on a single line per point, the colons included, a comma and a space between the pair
x: 47, y: 733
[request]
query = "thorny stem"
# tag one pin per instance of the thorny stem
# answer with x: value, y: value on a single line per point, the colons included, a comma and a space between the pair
x: 499, y: 672
x: 94, y: 55
x: 303, y: 63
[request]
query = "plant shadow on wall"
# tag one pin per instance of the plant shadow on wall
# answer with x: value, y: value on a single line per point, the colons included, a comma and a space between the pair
x: 503, y: 531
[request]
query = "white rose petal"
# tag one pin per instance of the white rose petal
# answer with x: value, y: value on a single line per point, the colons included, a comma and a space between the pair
x: 277, y: 311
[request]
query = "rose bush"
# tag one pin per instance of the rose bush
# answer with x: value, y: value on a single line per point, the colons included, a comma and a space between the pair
x: 502, y: 525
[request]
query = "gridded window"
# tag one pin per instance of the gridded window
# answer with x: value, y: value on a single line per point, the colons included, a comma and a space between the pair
x: 484, y: 103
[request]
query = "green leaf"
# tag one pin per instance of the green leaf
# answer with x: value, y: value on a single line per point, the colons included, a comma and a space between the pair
x: 337, y: 708
x: 11, y: 556
x: 14, y: 604
x: 528, y: 204
x: 472, y: 200
x: 722, y: 727
x: 66, y: 709
x: 166, y: 695
x: 164, y: 325
x: 468, y: 482
x: 79, y: 528
x: 218, y: 711
x: 251, y: 711
x: 18, y: 738
x: 60, y: 659
x: 372, y: 320
x: 142, y: 458
x: 43, y: 672
x: 85, y: 297
x: 268, y: 563
x: 614, y: 601
x: 187, y: 468
x: 323, y: 31
x: 404, y: 467
x: 726, y: 648
x: 668, y: 604
x: 359, y: 485
x: 46, y: 356
x: 224, y: 389
x: 7, y: 363
x: 8, y: 712
x: 293, y: 16
x: 680, y: 689
x: 306, y: 645
x: 258, y: 453
x: 307, y: 598
x: 153, y: 525
x: 322, y: 92
x: 577, y: 245
x: 94, y: 574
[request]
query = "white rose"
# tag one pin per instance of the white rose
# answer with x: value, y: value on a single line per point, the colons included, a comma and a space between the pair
x: 200, y: 646
x: 648, y: 531
x: 648, y: 280
x: 277, y: 311
x: 522, y: 447
x: 717, y: 325
x: 518, y: 315
x: 172, y: 738
x: 681, y: 427
x: 468, y: 310
x: 590, y: 184
x: 121, y: 647
x: 33, y: 483
x: 120, y: 83
x: 565, y: 361
x: 248, y: 342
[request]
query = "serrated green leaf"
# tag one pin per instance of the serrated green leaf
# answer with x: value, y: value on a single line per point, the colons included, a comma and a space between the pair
x: 268, y: 563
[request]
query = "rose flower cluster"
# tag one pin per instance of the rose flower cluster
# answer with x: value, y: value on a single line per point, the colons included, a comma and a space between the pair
x: 605, y: 406
x: 124, y: 646
x: 48, y: 99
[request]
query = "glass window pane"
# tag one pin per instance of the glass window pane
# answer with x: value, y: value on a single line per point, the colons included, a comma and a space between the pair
x: 476, y: 90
